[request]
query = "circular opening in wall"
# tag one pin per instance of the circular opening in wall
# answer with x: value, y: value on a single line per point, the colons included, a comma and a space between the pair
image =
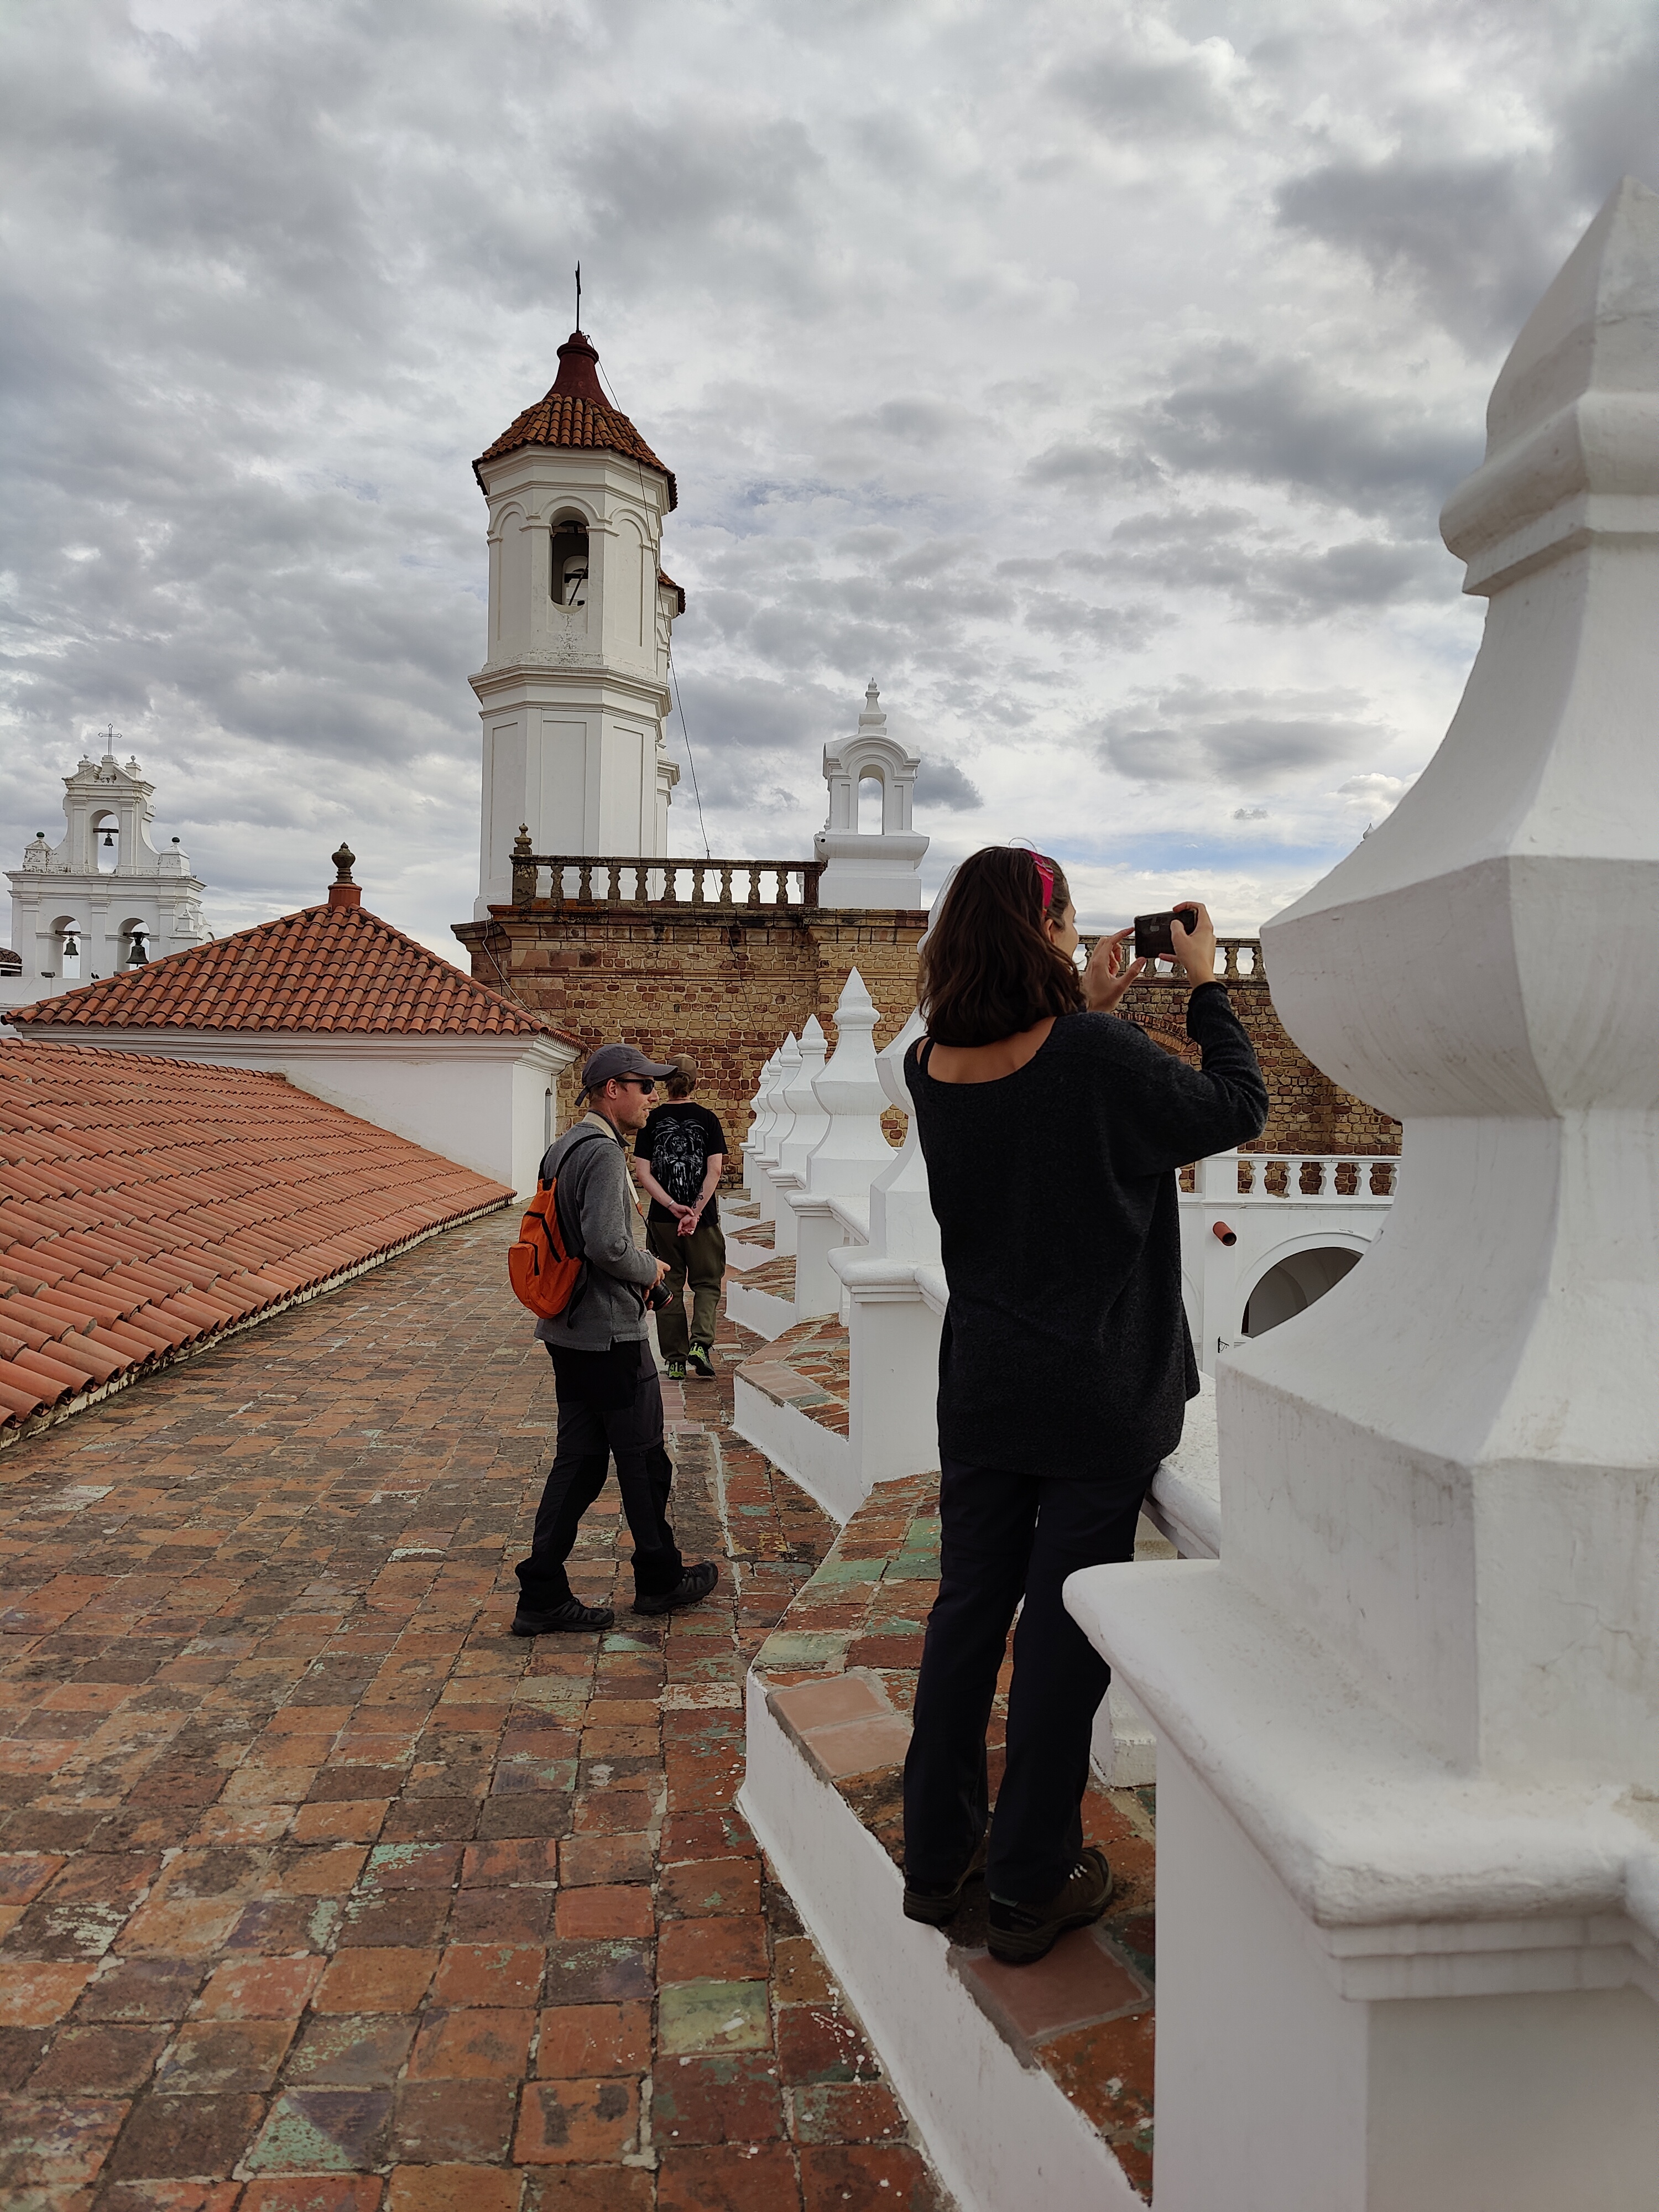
x: 1294, y: 1285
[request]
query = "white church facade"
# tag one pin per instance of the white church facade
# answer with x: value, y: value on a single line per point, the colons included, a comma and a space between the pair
x: 103, y: 898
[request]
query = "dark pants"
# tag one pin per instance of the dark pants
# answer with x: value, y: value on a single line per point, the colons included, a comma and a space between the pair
x: 1005, y: 1537
x: 701, y: 1258
x: 589, y: 1437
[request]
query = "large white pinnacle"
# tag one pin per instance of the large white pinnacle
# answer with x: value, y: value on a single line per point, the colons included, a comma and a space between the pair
x: 1481, y: 1393
x: 1408, y: 1764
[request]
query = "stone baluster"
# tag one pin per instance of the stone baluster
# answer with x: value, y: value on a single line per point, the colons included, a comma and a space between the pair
x: 1409, y: 1720
x: 847, y: 1158
x: 523, y: 868
x: 726, y: 884
x: 808, y: 1125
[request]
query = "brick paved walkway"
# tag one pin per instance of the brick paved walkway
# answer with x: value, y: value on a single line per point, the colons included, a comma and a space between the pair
x: 318, y: 1891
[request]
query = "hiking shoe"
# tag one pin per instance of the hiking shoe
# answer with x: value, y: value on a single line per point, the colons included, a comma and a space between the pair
x: 1020, y: 1935
x: 700, y: 1359
x: 693, y: 1586
x: 675, y: 1369
x: 546, y: 1620
x: 936, y: 1906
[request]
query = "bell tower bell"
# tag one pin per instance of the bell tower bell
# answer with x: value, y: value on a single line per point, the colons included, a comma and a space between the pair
x: 574, y: 688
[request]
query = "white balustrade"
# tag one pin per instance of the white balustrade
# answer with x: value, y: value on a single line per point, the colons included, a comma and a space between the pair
x: 808, y: 1122
x: 847, y: 1158
x: 780, y: 1121
x: 760, y: 1121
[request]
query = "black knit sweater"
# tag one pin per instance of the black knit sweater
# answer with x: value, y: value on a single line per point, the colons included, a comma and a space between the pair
x: 1065, y: 1350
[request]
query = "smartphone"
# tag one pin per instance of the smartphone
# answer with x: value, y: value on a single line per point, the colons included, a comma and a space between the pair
x: 1152, y: 937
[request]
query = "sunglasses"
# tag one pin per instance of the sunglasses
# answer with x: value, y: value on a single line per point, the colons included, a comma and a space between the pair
x: 646, y: 1083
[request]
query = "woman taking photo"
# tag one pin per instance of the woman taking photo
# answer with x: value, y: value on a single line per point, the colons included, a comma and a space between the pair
x: 1052, y: 1131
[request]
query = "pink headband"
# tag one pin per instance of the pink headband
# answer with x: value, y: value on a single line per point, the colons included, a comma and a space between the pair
x: 1045, y: 878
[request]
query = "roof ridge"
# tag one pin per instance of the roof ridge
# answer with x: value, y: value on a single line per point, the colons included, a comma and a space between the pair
x: 299, y: 971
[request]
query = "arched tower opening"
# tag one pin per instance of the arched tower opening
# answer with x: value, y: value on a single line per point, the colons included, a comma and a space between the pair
x: 567, y: 567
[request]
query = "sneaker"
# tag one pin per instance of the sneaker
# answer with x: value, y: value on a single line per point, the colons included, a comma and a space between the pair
x: 693, y: 1586
x: 675, y: 1369
x: 573, y: 1614
x: 1020, y: 1935
x: 936, y: 1906
x: 700, y: 1359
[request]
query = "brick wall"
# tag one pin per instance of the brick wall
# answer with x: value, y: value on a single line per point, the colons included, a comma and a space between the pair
x: 725, y: 986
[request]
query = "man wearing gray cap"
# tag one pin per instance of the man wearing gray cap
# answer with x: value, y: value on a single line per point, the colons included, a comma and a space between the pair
x: 610, y: 1399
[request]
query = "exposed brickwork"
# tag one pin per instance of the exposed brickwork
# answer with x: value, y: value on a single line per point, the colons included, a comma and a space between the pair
x: 318, y: 1892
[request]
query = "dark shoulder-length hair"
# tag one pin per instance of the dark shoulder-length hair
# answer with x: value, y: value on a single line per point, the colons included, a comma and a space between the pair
x: 988, y: 968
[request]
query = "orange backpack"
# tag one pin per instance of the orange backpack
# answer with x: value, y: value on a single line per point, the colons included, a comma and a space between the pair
x: 543, y: 1272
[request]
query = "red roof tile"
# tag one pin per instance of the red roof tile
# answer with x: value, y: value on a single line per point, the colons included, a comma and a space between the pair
x: 576, y: 413
x: 128, y: 1184
x: 338, y: 969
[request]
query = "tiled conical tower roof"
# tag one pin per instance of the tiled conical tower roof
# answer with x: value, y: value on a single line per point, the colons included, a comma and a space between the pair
x: 575, y: 413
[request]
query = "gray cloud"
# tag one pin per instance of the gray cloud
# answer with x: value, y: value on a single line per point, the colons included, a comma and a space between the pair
x: 1132, y: 97
x: 1275, y: 422
x: 1472, y: 237
x: 942, y: 783
x: 1126, y: 629
x: 1194, y: 734
x: 1089, y: 469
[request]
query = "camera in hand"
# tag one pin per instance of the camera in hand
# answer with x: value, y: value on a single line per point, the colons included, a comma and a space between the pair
x: 657, y: 1298
x: 1152, y: 935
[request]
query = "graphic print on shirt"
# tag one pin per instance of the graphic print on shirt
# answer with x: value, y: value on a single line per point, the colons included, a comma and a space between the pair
x: 679, y: 1159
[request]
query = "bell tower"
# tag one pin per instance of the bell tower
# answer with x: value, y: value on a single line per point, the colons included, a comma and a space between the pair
x: 573, y: 691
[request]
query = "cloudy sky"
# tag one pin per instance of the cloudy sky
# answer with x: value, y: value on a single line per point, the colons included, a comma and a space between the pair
x: 1092, y: 375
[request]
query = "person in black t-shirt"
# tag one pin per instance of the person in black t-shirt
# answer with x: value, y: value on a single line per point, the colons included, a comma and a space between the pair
x: 678, y: 1157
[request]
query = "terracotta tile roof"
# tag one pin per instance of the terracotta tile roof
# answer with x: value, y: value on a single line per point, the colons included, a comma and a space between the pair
x: 668, y: 584
x: 147, y: 1204
x: 337, y: 969
x: 576, y: 413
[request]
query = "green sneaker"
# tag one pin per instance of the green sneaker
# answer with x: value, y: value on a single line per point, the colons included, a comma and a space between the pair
x: 675, y: 1369
x: 700, y: 1359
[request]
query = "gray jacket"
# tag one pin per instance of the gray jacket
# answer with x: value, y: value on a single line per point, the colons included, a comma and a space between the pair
x: 597, y: 1210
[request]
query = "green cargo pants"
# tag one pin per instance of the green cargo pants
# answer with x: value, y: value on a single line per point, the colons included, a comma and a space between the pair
x: 700, y: 1258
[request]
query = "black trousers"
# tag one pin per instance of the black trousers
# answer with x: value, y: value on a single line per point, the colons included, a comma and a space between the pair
x: 1003, y: 1537
x: 589, y: 1437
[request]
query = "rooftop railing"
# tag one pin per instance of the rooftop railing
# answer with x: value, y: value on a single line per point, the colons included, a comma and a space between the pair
x: 1237, y: 958
x: 1325, y: 1178
x: 589, y: 880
